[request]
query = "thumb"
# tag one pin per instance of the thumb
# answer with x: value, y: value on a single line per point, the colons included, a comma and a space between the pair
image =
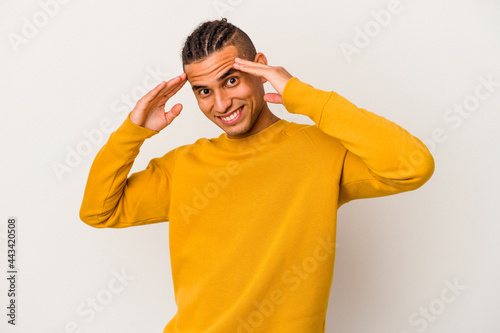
x: 173, y: 113
x: 273, y: 98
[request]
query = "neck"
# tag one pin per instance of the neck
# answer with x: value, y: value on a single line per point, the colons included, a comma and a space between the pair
x: 265, y: 119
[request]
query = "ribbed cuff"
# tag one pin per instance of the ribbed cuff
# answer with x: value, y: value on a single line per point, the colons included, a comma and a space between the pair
x: 302, y: 98
x: 128, y: 138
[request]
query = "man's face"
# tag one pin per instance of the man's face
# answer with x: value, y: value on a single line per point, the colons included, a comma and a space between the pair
x: 232, y: 99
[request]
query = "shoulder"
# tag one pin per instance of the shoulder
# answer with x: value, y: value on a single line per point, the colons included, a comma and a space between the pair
x: 314, y: 135
x: 311, y: 131
x: 191, y: 148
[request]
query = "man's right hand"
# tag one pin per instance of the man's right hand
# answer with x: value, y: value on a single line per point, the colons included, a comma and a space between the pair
x: 149, y: 112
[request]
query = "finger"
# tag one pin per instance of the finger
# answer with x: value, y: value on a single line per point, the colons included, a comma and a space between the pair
x: 175, y: 89
x: 159, y: 90
x: 169, y: 91
x: 173, y: 84
x: 273, y: 98
x: 246, y: 62
x: 173, y: 113
x: 162, y: 99
x: 154, y: 92
x: 251, y: 67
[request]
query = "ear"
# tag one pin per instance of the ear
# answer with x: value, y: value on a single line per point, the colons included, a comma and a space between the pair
x: 261, y: 59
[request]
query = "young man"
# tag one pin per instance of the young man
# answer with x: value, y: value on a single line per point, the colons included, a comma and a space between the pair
x: 252, y: 213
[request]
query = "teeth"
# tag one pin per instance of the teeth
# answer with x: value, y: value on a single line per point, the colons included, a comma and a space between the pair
x: 232, y: 115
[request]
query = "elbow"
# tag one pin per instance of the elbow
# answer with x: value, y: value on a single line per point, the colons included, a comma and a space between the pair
x: 90, y: 219
x: 425, y: 172
x: 418, y: 168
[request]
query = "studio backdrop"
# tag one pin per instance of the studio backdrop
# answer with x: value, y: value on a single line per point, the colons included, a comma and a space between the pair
x: 71, y: 71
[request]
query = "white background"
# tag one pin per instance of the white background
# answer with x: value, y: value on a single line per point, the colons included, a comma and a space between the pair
x: 67, y: 73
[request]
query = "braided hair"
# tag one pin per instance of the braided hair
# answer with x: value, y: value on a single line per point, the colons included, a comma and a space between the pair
x: 212, y: 36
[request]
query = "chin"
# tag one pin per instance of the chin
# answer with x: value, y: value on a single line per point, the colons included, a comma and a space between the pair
x: 237, y: 131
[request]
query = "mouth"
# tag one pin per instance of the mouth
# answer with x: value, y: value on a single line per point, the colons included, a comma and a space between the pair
x: 233, y: 117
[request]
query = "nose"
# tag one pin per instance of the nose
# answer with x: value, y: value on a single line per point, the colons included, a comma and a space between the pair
x: 222, y: 102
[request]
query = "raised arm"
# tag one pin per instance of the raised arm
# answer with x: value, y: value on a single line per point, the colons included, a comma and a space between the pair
x: 381, y: 157
x: 113, y: 200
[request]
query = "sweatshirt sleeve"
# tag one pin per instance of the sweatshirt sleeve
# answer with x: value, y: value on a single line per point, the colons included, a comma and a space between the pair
x: 381, y: 157
x: 115, y: 201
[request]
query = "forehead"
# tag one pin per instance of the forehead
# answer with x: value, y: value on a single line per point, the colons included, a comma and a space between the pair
x: 212, y: 67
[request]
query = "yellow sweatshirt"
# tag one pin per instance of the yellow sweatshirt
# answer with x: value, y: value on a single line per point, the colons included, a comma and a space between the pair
x: 252, y: 221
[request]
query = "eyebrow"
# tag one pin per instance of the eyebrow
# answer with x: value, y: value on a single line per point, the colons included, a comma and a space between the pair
x: 226, y: 74
x: 220, y: 78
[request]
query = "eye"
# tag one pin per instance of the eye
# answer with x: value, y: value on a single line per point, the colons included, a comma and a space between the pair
x: 232, y: 81
x: 204, y: 91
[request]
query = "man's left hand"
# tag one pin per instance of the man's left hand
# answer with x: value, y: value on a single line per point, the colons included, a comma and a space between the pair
x: 277, y: 77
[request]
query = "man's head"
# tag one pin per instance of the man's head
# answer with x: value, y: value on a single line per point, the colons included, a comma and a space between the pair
x: 211, y: 37
x: 230, y: 98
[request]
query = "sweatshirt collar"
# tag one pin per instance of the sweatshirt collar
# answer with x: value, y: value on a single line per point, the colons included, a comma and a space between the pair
x: 253, y: 141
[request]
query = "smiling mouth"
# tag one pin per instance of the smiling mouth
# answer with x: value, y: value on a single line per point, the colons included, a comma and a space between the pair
x: 233, y: 117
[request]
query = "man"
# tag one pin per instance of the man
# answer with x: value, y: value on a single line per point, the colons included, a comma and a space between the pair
x: 252, y: 213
